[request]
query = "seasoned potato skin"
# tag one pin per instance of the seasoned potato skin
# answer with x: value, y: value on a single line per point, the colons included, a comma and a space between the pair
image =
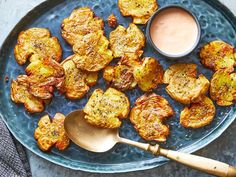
x: 140, y: 10
x: 37, y: 41
x: 42, y: 68
x: 131, y: 70
x: 218, y: 55
x: 80, y: 23
x: 130, y: 40
x: 148, y: 116
x: 20, y: 94
x: 183, y: 85
x: 51, y: 133
x: 121, y: 76
x: 44, y: 74
x: 182, y: 69
x: 105, y: 109
x: 92, y: 53
x: 77, y: 82
x: 199, y: 114
x: 223, y: 87
x: 149, y: 74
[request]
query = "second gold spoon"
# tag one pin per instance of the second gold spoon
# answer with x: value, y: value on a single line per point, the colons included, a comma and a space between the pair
x: 96, y: 139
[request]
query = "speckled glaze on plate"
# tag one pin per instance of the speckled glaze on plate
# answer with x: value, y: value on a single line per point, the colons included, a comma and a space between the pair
x: 217, y: 22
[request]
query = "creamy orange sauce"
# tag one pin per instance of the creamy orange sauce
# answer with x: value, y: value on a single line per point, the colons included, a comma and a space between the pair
x: 174, y: 31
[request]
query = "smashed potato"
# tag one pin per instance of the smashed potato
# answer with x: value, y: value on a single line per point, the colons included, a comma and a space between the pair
x: 80, y: 23
x: 223, y: 87
x: 218, y: 55
x: 105, y: 109
x: 50, y: 133
x: 37, y: 41
x: 198, y: 114
x: 42, y: 68
x: 148, y: 116
x: 77, y: 82
x: 183, y: 84
x: 20, y: 94
x: 121, y: 76
x: 92, y: 53
x: 140, y: 10
x: 148, y: 74
x: 130, y: 40
x: 182, y: 69
x: 44, y: 74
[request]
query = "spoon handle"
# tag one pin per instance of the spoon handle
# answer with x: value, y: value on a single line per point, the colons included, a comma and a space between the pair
x: 200, y: 163
x: 196, y: 162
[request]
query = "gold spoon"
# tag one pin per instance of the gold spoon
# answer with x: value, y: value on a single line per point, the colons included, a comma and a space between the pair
x: 96, y: 139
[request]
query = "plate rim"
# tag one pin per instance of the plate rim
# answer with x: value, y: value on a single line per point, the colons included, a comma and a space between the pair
x: 147, y: 164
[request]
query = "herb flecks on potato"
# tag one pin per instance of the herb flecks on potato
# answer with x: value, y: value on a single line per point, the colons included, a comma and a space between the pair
x: 140, y: 10
x: 183, y: 84
x: 20, y: 94
x: 148, y: 116
x: 105, y: 109
x: 44, y: 75
x: 218, y: 55
x: 148, y: 74
x: 199, y: 114
x: 37, y: 41
x: 130, y: 40
x: 120, y: 76
x: 223, y: 87
x: 92, y: 53
x: 51, y: 133
x: 76, y: 83
x: 80, y: 23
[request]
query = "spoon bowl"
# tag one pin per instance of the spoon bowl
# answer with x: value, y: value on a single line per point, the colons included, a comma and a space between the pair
x: 88, y: 136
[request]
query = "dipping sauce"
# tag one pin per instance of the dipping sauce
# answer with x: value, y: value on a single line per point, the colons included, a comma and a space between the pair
x: 174, y: 31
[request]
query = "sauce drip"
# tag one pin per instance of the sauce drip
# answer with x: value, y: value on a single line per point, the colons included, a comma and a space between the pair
x: 174, y: 31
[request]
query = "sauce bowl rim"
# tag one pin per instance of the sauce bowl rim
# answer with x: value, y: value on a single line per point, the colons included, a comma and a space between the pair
x: 157, y: 13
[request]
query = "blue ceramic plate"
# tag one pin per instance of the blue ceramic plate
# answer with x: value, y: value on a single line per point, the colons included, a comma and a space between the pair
x: 217, y: 22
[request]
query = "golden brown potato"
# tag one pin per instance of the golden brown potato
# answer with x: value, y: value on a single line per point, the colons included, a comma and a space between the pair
x: 42, y: 68
x: 131, y: 59
x: 140, y: 10
x: 44, y: 74
x: 199, y: 114
x: 148, y: 74
x: 182, y: 69
x: 148, y: 116
x: 112, y: 21
x: 130, y: 40
x: 186, y: 89
x: 92, y: 53
x: 37, y: 41
x: 234, y: 58
x: 105, y: 109
x: 223, y: 87
x: 183, y: 85
x: 77, y: 82
x: 121, y: 76
x: 50, y: 133
x: 20, y: 94
x: 218, y: 55
x: 80, y: 23
x: 44, y: 89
